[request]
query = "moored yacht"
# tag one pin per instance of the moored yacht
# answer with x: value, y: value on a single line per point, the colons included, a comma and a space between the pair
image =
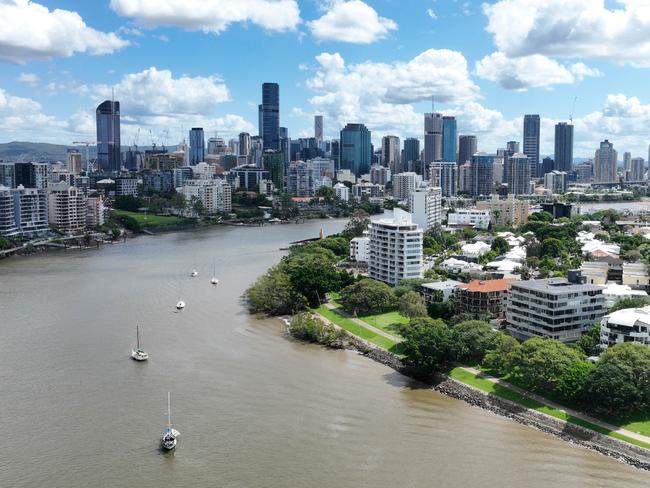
x: 138, y: 354
x: 168, y: 440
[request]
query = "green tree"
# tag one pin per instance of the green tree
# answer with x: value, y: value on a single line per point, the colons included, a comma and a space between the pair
x: 273, y: 294
x: 412, y: 305
x: 589, y: 343
x: 541, y: 217
x: 500, y: 246
x: 571, y: 383
x: 313, y: 274
x: 305, y: 327
x: 620, y: 383
x: 629, y: 303
x: 426, y: 346
x: 540, y: 362
x: 178, y: 202
x: 129, y: 223
x: 358, y: 223
x: 472, y: 339
x: 441, y: 310
x: 197, y: 207
x: 325, y: 192
x: 551, y: 247
x: 128, y: 203
x: 367, y: 296
x: 338, y: 245
x: 498, y: 359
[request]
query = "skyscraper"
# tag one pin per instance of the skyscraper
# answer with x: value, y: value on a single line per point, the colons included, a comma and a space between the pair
x: 563, y: 147
x: 197, y: 146
x: 531, y: 143
x: 285, y: 146
x: 411, y: 150
x: 318, y: 128
x: 391, y: 154
x: 512, y: 147
x: 481, y: 177
x: 356, y: 149
x: 605, y: 163
x: 270, y: 129
x: 449, y: 138
x: 636, y: 172
x: 244, y: 144
x: 109, y: 155
x: 467, y: 147
x: 432, y: 137
x: 444, y: 174
x: 518, y: 174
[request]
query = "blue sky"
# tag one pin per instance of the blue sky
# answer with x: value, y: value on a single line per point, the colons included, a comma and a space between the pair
x: 181, y: 63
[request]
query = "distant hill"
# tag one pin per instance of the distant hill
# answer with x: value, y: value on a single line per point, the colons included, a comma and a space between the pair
x: 37, y: 151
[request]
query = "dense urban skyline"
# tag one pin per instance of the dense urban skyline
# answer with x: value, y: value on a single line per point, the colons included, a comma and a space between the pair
x: 212, y: 68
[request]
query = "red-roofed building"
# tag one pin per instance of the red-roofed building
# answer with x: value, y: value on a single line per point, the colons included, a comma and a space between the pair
x: 483, y: 297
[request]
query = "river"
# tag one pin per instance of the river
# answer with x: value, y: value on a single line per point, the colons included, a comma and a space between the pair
x: 254, y: 408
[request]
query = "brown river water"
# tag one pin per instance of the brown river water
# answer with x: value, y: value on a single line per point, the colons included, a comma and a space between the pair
x: 254, y: 408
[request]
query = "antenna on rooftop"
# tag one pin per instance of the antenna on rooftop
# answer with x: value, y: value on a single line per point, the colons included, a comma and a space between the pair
x: 573, y: 108
x: 433, y: 104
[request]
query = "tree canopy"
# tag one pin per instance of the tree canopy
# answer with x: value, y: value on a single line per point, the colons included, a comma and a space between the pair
x: 412, y: 305
x: 367, y: 296
x: 426, y: 346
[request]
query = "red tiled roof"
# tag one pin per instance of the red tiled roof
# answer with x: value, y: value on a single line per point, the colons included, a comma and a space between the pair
x: 488, y: 286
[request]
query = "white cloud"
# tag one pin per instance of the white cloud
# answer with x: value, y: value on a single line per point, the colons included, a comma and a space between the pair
x: 381, y: 94
x: 210, y: 15
x: 28, y: 78
x: 157, y: 92
x: 24, y: 117
x: 576, y: 28
x: 534, y: 71
x: 351, y: 21
x: 432, y: 14
x: 32, y: 31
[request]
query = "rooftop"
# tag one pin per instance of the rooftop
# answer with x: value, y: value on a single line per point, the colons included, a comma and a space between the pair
x: 487, y: 286
x: 630, y: 316
x: 442, y: 285
x: 557, y: 285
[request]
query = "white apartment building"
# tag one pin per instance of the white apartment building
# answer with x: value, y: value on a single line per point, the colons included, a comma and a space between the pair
x: 379, y: 175
x: 555, y: 182
x: 478, y: 219
x: 626, y: 325
x: 554, y: 308
x: 365, y: 189
x: 509, y: 211
x: 395, y: 249
x: 346, y: 175
x: 95, y: 211
x: 342, y: 192
x: 360, y: 249
x: 66, y: 207
x: 404, y: 184
x: 216, y: 195
x: 425, y: 205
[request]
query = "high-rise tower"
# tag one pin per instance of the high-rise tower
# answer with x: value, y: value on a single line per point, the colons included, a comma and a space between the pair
x: 109, y: 154
x: 270, y: 116
x: 531, y: 143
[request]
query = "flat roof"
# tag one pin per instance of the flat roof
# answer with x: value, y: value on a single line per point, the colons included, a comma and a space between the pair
x: 557, y: 285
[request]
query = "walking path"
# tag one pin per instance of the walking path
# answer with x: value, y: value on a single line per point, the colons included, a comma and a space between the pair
x: 557, y: 406
x: 366, y: 325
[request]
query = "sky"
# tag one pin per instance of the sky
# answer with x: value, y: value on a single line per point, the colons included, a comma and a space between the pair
x: 176, y: 64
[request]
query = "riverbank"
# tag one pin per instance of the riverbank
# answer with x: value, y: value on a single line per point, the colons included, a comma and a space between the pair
x: 588, y: 438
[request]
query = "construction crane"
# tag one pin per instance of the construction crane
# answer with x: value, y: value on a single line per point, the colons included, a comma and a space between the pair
x: 87, y: 144
x: 135, y: 139
x: 573, y: 109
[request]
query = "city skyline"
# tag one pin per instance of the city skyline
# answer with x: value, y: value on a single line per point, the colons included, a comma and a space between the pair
x: 48, y: 91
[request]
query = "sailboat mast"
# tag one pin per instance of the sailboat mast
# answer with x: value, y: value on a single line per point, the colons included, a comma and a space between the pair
x: 169, y: 410
x: 137, y: 336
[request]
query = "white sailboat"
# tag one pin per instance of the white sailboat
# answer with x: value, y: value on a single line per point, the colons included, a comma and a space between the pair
x: 180, y: 305
x: 138, y: 354
x: 168, y: 440
x: 194, y: 273
x: 214, y: 279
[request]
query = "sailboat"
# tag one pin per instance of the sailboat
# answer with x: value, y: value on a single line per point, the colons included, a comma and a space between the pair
x: 214, y: 279
x: 180, y: 305
x: 194, y: 273
x: 168, y: 440
x: 138, y: 354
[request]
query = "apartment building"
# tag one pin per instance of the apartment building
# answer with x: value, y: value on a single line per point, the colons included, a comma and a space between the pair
x: 425, y: 205
x: 395, y: 249
x: 482, y: 297
x: 509, y: 212
x: 66, y: 207
x: 468, y: 217
x: 626, y: 325
x: 216, y: 195
x: 553, y: 307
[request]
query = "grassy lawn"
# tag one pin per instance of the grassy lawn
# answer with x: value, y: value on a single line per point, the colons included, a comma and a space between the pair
x: 356, y: 329
x: 637, y: 424
x: 503, y: 392
x: 150, y: 220
x: 388, y: 322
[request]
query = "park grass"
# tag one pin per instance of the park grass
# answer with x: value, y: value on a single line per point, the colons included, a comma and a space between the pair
x: 356, y: 329
x: 151, y: 220
x: 389, y: 322
x: 501, y: 391
x: 638, y: 424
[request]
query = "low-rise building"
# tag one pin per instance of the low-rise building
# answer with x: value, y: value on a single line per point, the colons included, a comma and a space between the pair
x: 365, y: 189
x: 360, y: 249
x: 343, y: 175
x: 509, y: 211
x: 613, y: 292
x: 595, y: 272
x: 553, y: 307
x: 555, y: 182
x: 157, y: 181
x: 439, y: 291
x: 66, y: 207
x: 395, y: 249
x: 468, y: 217
x: 482, y: 297
x: 474, y: 250
x: 626, y: 325
x: 635, y: 275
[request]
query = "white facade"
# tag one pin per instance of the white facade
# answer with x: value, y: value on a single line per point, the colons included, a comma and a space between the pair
x: 215, y: 195
x: 365, y: 189
x: 95, y: 211
x: 613, y: 292
x: 635, y: 275
x: 404, y: 184
x: 555, y: 182
x: 478, y: 219
x: 66, y: 207
x: 508, y: 211
x: 346, y: 175
x: 395, y: 249
x: 425, y: 205
x: 342, y: 192
x: 360, y: 249
x: 627, y: 325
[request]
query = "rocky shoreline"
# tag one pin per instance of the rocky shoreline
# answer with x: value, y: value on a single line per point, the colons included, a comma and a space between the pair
x: 580, y: 436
